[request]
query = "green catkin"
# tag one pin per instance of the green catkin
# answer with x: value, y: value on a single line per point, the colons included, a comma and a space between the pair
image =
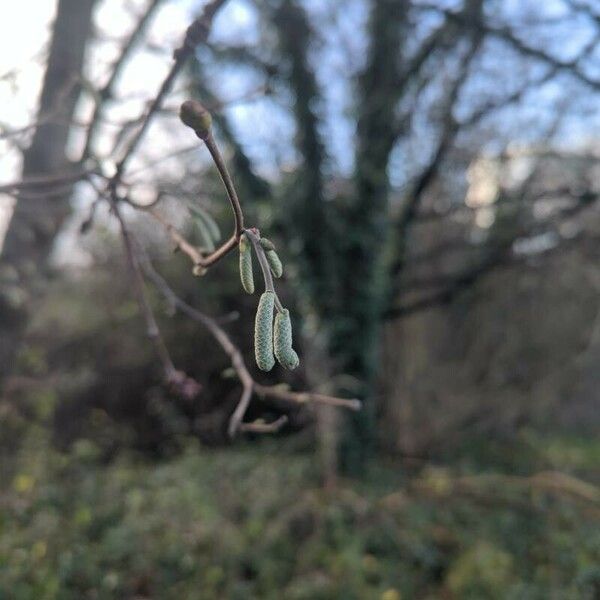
x: 201, y: 215
x: 206, y: 238
x: 267, y: 244
x: 263, y: 332
x: 282, y: 338
x: 246, y: 265
x: 274, y: 263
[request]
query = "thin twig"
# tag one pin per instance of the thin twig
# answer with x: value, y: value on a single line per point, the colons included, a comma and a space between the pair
x: 237, y: 418
x: 196, y: 33
x: 181, y: 243
x: 228, y: 183
x: 107, y: 91
x: 179, y: 240
x: 277, y: 393
x: 249, y: 385
x: 185, y: 386
x: 152, y: 329
x: 140, y: 264
x: 46, y: 181
x: 262, y: 427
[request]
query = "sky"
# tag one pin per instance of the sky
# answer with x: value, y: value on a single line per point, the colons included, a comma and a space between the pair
x: 24, y: 38
x: 263, y: 126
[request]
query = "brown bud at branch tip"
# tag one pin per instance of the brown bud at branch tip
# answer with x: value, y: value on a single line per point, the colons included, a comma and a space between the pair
x: 195, y: 116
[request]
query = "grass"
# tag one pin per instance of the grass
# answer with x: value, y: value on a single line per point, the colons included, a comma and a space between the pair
x: 252, y: 522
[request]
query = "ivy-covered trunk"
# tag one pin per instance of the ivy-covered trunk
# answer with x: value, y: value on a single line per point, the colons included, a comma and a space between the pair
x: 343, y: 242
x: 363, y: 286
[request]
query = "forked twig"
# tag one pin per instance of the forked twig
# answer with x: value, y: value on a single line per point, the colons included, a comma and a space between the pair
x: 195, y: 115
x: 249, y: 385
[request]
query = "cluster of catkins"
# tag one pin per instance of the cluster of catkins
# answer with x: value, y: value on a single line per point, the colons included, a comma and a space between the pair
x: 271, y: 341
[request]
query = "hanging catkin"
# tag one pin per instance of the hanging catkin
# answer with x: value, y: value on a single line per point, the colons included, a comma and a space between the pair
x: 272, y: 257
x: 267, y: 244
x: 202, y: 215
x: 246, y: 265
x: 274, y: 263
x: 282, y: 339
x: 263, y: 332
x: 205, y: 235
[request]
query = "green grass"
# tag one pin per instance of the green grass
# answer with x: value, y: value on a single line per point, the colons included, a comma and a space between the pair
x: 252, y: 522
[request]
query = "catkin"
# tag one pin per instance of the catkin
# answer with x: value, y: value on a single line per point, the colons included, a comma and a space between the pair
x: 282, y: 338
x: 202, y: 215
x: 267, y: 244
x: 204, y: 233
x: 274, y: 263
x: 246, y: 265
x: 263, y: 332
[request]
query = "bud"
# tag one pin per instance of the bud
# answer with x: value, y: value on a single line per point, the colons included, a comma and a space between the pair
x: 194, y: 115
x: 263, y: 332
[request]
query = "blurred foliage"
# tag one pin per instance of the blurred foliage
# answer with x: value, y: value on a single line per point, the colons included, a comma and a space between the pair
x: 87, y: 364
x: 252, y: 523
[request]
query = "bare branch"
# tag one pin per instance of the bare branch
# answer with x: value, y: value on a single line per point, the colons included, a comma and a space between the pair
x: 249, y: 385
x: 106, y: 92
x: 151, y: 326
x: 228, y: 183
x: 262, y: 427
x: 524, y: 48
x: 46, y: 181
x: 178, y: 380
x: 196, y: 33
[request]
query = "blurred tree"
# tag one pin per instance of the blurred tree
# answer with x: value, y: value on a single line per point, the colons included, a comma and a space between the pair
x: 353, y: 242
x: 345, y: 246
x: 33, y: 228
x: 374, y: 234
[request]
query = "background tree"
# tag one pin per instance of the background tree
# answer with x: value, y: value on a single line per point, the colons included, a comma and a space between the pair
x: 427, y: 172
x: 31, y: 232
x: 360, y: 210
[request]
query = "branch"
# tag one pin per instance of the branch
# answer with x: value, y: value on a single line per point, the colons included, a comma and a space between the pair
x: 264, y: 265
x: 196, y: 33
x: 197, y: 258
x: 459, y: 284
x: 262, y: 427
x: 194, y: 115
x: 106, y: 92
x: 252, y: 183
x: 228, y: 183
x: 449, y: 132
x: 46, y: 181
x: 249, y: 385
x: 505, y: 34
x: 450, y: 129
x: 433, y: 214
x: 498, y: 255
x: 183, y: 384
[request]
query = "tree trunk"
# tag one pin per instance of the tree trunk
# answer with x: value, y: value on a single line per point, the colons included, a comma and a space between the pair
x: 36, y: 222
x: 356, y: 337
x: 307, y: 220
